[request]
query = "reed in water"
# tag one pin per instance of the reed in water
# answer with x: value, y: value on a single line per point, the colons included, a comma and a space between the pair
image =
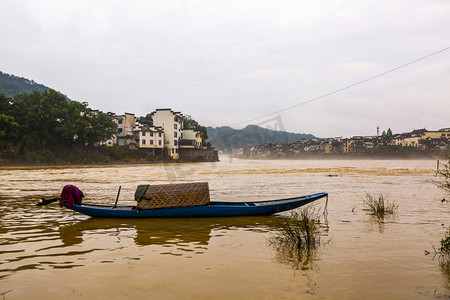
x: 301, y: 230
x: 379, y: 205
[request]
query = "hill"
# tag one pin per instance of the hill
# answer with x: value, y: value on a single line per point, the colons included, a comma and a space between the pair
x: 227, y: 138
x: 12, y: 85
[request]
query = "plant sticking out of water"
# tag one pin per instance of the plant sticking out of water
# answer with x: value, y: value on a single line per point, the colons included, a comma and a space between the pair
x: 297, y: 237
x: 301, y: 230
x: 443, y: 253
x: 379, y: 206
x: 444, y: 250
x: 443, y: 170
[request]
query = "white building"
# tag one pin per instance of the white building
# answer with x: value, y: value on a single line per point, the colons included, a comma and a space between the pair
x: 191, y: 138
x: 172, y: 124
x: 149, y: 137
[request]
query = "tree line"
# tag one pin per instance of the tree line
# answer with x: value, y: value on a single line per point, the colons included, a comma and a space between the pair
x: 34, y: 125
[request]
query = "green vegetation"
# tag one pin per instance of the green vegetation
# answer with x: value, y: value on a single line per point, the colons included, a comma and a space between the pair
x: 37, y: 127
x: 227, y: 138
x: 190, y: 123
x: 301, y: 230
x: 386, y: 134
x: 445, y: 244
x: 444, y: 172
x: 379, y: 206
x: 147, y: 119
x: 297, y: 238
x: 13, y: 85
x: 393, y: 149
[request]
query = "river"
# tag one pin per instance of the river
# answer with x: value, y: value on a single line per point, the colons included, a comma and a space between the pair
x: 53, y: 253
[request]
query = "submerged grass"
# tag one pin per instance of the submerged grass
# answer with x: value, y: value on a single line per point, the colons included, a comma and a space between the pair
x: 298, y: 237
x: 379, y: 205
x: 301, y: 230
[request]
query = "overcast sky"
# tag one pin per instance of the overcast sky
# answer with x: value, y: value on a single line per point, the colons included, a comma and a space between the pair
x: 226, y: 62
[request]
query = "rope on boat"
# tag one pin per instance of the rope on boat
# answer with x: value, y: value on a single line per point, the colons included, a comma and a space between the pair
x: 325, y: 210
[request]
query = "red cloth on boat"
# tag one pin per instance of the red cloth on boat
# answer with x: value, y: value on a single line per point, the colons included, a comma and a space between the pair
x: 71, y: 194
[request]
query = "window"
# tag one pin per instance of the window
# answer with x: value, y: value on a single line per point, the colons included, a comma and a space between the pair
x: 120, y: 121
x: 174, y: 126
x: 175, y: 134
x: 160, y: 134
x: 120, y: 130
x: 143, y: 133
x: 143, y: 142
x: 159, y: 142
x: 175, y: 142
x: 151, y: 142
x: 151, y: 133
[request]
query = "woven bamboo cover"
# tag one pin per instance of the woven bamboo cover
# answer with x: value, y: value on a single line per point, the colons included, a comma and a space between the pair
x: 175, y: 195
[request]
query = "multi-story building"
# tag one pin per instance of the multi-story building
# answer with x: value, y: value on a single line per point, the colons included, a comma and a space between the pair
x: 191, y: 138
x: 125, y: 125
x: 149, y: 137
x: 172, y: 124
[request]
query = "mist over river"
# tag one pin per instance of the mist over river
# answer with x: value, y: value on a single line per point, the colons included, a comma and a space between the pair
x: 52, y: 253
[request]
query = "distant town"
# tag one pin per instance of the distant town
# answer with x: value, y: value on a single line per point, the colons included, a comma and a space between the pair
x: 416, y: 141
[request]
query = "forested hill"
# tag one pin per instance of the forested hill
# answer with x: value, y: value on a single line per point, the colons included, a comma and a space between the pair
x: 227, y: 138
x: 12, y: 85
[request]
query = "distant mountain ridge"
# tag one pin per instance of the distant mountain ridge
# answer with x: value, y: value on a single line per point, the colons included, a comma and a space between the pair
x: 227, y: 138
x: 12, y: 85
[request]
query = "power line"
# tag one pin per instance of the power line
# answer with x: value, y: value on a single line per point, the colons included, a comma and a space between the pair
x: 346, y: 87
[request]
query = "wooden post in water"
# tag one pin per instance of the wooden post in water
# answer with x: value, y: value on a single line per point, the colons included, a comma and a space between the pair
x: 117, y: 198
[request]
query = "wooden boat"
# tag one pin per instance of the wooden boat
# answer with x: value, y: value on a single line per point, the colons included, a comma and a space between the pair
x: 211, y: 209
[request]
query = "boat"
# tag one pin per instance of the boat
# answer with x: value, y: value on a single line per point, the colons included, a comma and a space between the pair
x: 211, y: 209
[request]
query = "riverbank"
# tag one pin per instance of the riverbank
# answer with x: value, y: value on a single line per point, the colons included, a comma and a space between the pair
x: 101, y: 155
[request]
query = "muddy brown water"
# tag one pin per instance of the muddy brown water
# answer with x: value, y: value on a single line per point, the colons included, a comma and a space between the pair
x: 53, y: 253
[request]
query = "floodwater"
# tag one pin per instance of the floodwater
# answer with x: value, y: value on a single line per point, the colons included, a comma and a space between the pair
x: 53, y: 253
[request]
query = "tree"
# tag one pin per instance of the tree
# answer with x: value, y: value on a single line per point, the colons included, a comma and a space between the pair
x: 8, y: 133
x: 147, y: 119
x: 389, y: 133
x: 190, y: 123
x: 47, y: 121
x: 99, y: 127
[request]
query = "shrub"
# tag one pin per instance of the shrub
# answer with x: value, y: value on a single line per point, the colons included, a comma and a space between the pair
x: 444, y: 172
x: 445, y: 245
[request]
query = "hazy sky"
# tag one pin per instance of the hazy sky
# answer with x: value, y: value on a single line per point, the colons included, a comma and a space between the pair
x: 225, y: 62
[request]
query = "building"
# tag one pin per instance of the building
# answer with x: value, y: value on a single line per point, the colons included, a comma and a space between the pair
x: 172, y: 124
x: 125, y: 126
x: 150, y: 138
x: 191, y: 138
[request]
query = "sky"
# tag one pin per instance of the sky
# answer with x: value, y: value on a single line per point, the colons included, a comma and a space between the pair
x: 227, y: 62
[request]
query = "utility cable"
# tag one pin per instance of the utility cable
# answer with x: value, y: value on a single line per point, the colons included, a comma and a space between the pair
x: 344, y: 88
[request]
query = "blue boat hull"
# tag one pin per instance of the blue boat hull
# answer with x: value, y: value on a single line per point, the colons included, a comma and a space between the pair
x: 213, y: 209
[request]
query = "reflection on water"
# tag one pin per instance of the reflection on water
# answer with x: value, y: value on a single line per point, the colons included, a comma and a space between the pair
x: 68, y: 255
x: 57, y: 243
x: 378, y: 223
